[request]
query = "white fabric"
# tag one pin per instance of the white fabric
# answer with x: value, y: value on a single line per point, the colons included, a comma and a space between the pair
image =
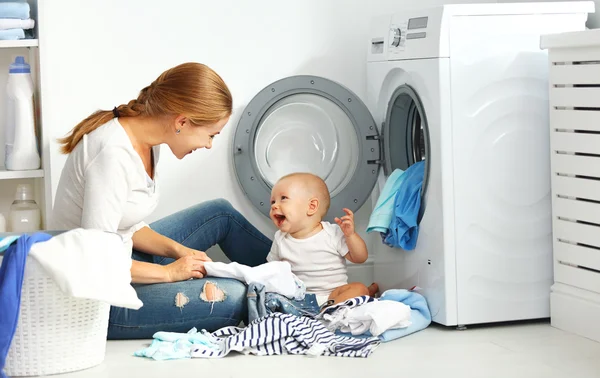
x: 15, y: 23
x: 318, y: 260
x: 104, y: 185
x: 89, y: 264
x: 375, y: 317
x: 276, y: 276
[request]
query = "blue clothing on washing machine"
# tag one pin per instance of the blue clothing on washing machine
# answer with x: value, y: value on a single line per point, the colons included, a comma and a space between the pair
x: 384, y: 208
x: 404, y: 228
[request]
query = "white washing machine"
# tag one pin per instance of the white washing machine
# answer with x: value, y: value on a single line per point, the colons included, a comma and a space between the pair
x: 463, y: 88
x: 468, y: 85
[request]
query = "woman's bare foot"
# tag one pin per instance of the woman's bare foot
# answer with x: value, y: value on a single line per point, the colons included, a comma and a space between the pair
x: 373, y: 290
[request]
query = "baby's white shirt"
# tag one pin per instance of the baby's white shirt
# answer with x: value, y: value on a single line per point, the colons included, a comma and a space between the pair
x: 317, y: 260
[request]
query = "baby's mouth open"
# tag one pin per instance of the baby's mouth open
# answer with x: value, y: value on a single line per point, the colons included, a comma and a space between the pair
x: 280, y: 219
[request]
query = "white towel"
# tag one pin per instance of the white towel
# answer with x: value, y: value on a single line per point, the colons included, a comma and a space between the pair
x: 276, y: 276
x: 15, y: 23
x: 90, y: 264
x: 375, y: 317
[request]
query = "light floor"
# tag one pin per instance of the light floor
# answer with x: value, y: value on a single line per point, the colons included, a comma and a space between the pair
x: 506, y: 351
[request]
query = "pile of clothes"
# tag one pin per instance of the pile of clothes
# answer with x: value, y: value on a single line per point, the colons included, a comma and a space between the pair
x: 278, y: 324
x: 15, y: 20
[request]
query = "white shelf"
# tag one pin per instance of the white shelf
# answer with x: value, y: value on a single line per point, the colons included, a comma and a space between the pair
x: 19, y: 43
x: 14, y: 175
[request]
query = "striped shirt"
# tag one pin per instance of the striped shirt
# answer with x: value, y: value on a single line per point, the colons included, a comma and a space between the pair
x: 278, y: 334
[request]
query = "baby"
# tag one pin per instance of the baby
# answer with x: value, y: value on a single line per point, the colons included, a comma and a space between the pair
x: 316, y: 250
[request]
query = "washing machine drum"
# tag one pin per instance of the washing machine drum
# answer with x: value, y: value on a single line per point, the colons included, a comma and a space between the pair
x: 312, y: 124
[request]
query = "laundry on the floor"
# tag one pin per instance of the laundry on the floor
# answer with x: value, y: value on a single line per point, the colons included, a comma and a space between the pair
x: 420, y: 315
x: 272, y: 335
x: 275, y: 276
x: 404, y: 228
x: 375, y: 317
x: 285, y: 334
x: 91, y: 264
x: 174, y: 346
x: 382, y: 214
x: 419, y: 319
x: 14, y: 20
x: 262, y: 303
x: 15, y: 252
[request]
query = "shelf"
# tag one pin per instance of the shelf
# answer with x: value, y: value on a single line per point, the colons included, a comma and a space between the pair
x: 14, y: 175
x: 19, y: 43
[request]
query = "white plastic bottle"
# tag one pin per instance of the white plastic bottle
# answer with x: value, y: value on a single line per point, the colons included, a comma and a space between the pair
x: 21, y: 152
x: 24, y: 215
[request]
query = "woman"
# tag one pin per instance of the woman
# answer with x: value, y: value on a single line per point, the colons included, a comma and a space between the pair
x: 109, y: 183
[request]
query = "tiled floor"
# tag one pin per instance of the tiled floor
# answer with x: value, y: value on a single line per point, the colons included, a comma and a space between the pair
x: 507, y: 351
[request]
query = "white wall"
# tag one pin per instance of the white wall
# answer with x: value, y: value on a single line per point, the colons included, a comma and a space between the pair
x: 99, y: 54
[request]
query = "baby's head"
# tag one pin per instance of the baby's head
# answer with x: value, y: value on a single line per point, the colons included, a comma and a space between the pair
x: 299, y: 201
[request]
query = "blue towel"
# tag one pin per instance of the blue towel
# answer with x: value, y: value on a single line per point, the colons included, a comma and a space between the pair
x: 14, y: 9
x: 384, y: 208
x: 11, y: 281
x: 404, y: 229
x: 12, y: 34
x: 420, y: 316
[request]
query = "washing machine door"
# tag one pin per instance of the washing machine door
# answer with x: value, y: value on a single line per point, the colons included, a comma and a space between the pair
x: 307, y: 124
x: 406, y: 135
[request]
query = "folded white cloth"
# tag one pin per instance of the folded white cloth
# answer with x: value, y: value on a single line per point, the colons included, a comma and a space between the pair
x: 276, y: 276
x: 375, y: 317
x: 15, y: 23
x: 89, y: 264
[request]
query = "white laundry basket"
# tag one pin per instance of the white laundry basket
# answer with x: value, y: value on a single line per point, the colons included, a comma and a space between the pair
x: 55, y: 333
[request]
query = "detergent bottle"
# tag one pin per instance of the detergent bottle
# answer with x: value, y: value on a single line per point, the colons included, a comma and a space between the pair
x: 21, y: 152
x: 24, y: 215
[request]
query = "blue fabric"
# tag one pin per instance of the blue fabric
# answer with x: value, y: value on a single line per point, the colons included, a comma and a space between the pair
x: 382, y: 214
x: 420, y: 316
x: 12, y: 34
x: 261, y: 303
x: 404, y: 229
x: 174, y: 346
x: 14, y: 9
x: 200, y: 227
x: 6, y: 241
x: 11, y: 282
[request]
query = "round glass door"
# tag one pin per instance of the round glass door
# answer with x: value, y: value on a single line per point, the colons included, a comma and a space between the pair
x: 307, y: 124
x: 406, y: 135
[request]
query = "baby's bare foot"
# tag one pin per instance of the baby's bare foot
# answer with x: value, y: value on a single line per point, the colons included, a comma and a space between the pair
x: 373, y: 289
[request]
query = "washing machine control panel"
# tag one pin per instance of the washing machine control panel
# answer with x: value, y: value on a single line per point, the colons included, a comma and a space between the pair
x: 413, y: 28
x: 411, y: 34
x: 396, y: 35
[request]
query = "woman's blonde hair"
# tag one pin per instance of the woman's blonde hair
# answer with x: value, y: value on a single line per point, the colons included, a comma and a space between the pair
x: 190, y: 89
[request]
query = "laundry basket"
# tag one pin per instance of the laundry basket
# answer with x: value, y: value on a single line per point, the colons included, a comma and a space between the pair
x: 56, y: 333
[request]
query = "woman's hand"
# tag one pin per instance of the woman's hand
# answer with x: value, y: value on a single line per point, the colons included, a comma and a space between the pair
x: 185, y: 251
x: 186, y: 267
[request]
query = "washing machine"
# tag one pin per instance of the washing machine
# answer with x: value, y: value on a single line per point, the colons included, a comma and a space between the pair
x: 464, y: 88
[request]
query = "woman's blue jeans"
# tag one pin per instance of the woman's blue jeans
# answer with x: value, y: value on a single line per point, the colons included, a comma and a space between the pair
x: 180, y: 306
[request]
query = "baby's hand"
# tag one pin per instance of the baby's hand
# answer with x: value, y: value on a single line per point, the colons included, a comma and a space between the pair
x: 346, y: 223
